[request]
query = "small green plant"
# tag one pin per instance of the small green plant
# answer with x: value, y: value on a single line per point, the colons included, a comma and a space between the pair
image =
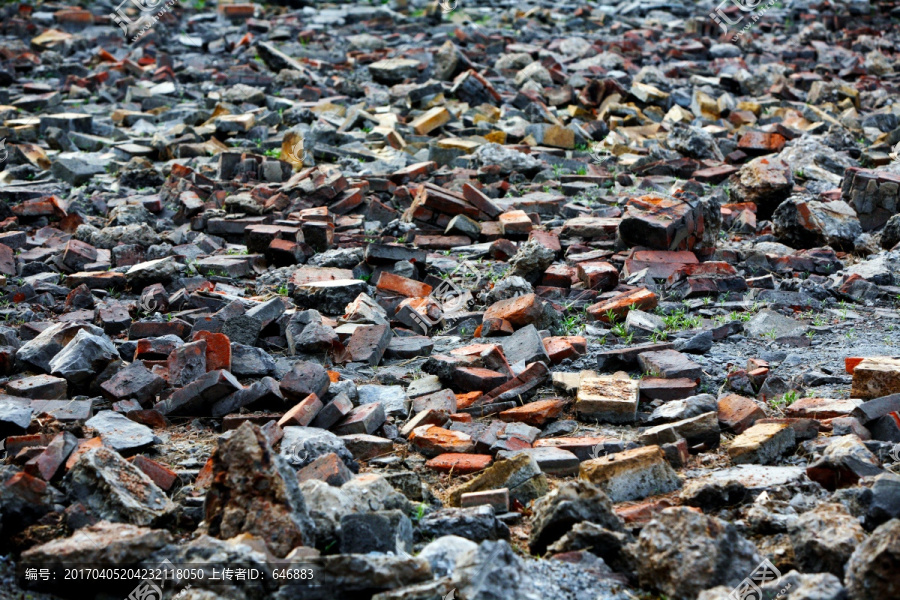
x: 282, y: 290
x: 786, y: 400
x: 572, y: 324
x: 771, y: 334
x: 365, y: 278
x: 273, y: 152
x: 619, y: 330
x: 582, y: 171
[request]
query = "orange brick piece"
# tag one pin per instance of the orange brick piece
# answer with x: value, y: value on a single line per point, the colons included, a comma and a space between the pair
x: 560, y: 348
x: 161, y: 475
x: 461, y: 464
x: 432, y: 440
x: 467, y: 400
x: 737, y: 413
x: 642, y: 299
x: 82, y: 447
x: 389, y: 282
x: 303, y: 413
x: 598, y: 275
x: 534, y: 413
x: 519, y: 311
x: 218, y: 350
x: 850, y: 363
x: 515, y: 221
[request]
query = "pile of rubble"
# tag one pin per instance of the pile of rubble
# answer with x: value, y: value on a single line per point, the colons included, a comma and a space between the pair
x: 426, y: 301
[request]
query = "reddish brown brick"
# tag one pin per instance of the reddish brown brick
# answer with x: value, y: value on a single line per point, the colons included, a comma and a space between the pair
x: 618, y: 306
x: 161, y: 475
x: 218, y: 350
x: 598, y: 275
x: 519, y: 311
x: 535, y: 413
x: 473, y: 379
x: 461, y: 464
x: 303, y: 413
x: 738, y: 413
x: 389, y: 282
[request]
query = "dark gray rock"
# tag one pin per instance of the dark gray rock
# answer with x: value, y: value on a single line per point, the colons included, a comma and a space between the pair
x: 249, y: 361
x: 873, y: 567
x: 524, y: 346
x: 112, y: 488
x: 571, y: 503
x: 85, y: 357
x: 383, y: 531
x: 825, y: 537
x: 477, y: 524
x: 121, y: 433
x: 302, y: 445
x: 493, y: 571
x: 716, y: 555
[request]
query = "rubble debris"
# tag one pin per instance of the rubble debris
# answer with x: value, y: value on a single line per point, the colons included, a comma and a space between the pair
x: 436, y: 298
